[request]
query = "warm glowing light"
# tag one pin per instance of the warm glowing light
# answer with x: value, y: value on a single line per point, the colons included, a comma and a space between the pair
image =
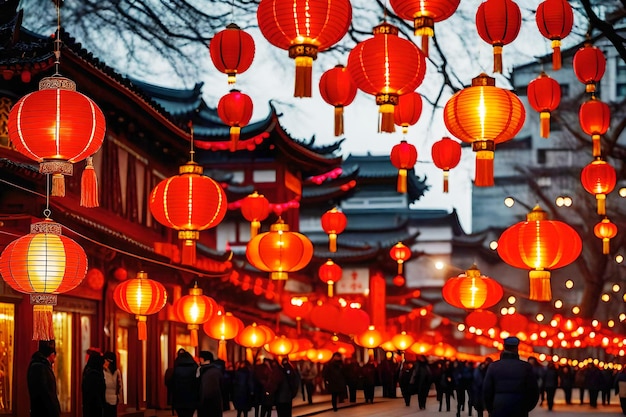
x: 605, y: 298
x: 569, y: 284
x: 622, y: 317
x: 511, y: 310
x: 509, y: 201
x: 539, y: 317
x: 550, y: 343
x: 558, y: 304
x: 439, y: 265
x: 619, y: 259
x: 493, y: 245
x: 576, y: 310
x: 461, y: 327
x: 622, y: 192
x: 611, y: 323
x: 616, y: 288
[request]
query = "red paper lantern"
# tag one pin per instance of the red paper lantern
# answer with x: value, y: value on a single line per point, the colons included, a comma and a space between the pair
x: 408, y: 111
x: 400, y: 253
x: 338, y: 90
x: 255, y: 208
x: 280, y: 346
x: 304, y: 28
x: 589, y: 65
x: 555, y: 19
x: 254, y: 336
x: 330, y: 273
x: 513, y: 323
x: 232, y: 51
x: 398, y: 281
x: 402, y: 341
x: 353, y: 321
x: 334, y: 222
x: 325, y: 315
x: 541, y: 245
x: 606, y: 231
x: 235, y: 110
x: 472, y: 290
x: 544, y: 96
x: 424, y: 14
x: 142, y: 297
x: 481, y: 319
x: 498, y: 23
x: 223, y: 327
x: 371, y: 338
x: 195, y: 309
x: 403, y: 157
x: 296, y: 307
x: 386, y: 66
x: 446, y: 154
x: 595, y: 117
x: 599, y: 178
x: 484, y: 115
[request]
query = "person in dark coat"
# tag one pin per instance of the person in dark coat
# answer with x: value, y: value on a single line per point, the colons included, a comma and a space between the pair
x: 404, y: 380
x: 184, y: 384
x: 334, y: 379
x: 550, y: 383
x: 462, y: 375
x: 368, y: 379
x: 510, y: 388
x: 93, y: 386
x: 421, y: 380
x: 387, y: 371
x: 308, y: 373
x: 593, y: 383
x: 607, y: 385
x: 352, y: 372
x: 446, y: 384
x: 287, y: 389
x: 477, y: 387
x: 269, y: 375
x: 42, y: 384
x: 210, y: 386
x: 620, y: 389
x: 243, y: 388
x: 566, y: 378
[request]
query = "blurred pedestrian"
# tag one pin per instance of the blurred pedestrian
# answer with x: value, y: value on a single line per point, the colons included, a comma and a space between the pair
x: 421, y: 380
x: 607, y: 384
x: 446, y: 384
x: 184, y: 384
x: 477, y: 386
x: 620, y: 389
x: 114, y: 385
x: 407, y: 389
x: 462, y: 376
x: 579, y: 382
x: 243, y: 388
x: 93, y: 386
x: 352, y: 372
x: 334, y: 379
x: 287, y: 389
x: 308, y: 373
x: 42, y: 383
x: 550, y: 383
x: 368, y: 379
x: 593, y: 383
x: 209, y: 376
x: 566, y: 380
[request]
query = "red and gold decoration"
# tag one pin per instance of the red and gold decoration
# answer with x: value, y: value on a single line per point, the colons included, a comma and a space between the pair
x: 514, y: 323
x: 605, y: 230
x: 402, y: 341
x: 400, y: 253
x: 338, y: 90
x: 555, y: 19
x: 255, y: 208
x: 541, y: 245
x: 446, y: 154
x: 472, y: 290
x: 222, y: 326
x: 595, y: 117
x: 481, y: 319
x: 386, y: 66
x: 403, y: 157
x: 544, y: 96
x: 330, y: 273
x: 304, y: 28
x: 589, y: 66
x: 484, y: 115
x: 370, y: 339
x: 142, y: 297
x: 408, y: 111
x: 232, y: 51
x: 498, y: 23
x: 334, y: 222
x: 235, y: 110
x: 195, y: 309
x: 280, y: 346
x: 296, y: 307
x: 599, y: 178
x: 43, y: 263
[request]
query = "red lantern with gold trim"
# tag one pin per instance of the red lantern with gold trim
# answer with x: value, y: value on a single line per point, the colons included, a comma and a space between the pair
x: 555, y: 19
x: 403, y: 157
x: 589, y: 66
x: 446, y: 154
x: 232, y: 51
x: 544, y: 96
x: 481, y: 319
x: 400, y: 253
x: 408, y: 111
x: 195, y: 309
x: 605, y: 230
x: 255, y: 208
x: 498, y: 23
x: 334, y: 222
x: 330, y: 273
x: 338, y: 90
x: 595, y: 117
x: 599, y: 178
x: 222, y: 326
x: 513, y: 323
x: 235, y: 110
x: 371, y: 338
x: 280, y: 346
x: 472, y: 290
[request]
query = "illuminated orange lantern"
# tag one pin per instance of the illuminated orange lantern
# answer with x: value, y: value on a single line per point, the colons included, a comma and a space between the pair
x: 481, y: 319
x: 403, y: 157
x: 386, y: 66
x: 400, y: 253
x: 142, y: 297
x: 541, y: 245
x: 443, y: 350
x: 420, y: 347
x: 402, y: 341
x: 195, y: 309
x: 280, y: 346
x: 222, y: 326
x: 606, y: 231
x: 255, y: 208
x: 544, y: 95
x: 330, y: 273
x: 555, y: 19
x: 498, y: 23
x: 589, y: 66
x: 408, y: 111
x: 599, y: 178
x: 338, y: 90
x: 254, y: 336
x: 446, y: 154
x: 334, y: 222
x: 296, y: 307
x: 304, y: 28
x: 398, y: 281
x: 484, y: 115
x: 371, y: 338
x: 235, y: 110
x: 595, y: 117
x: 232, y: 51
x: 472, y: 290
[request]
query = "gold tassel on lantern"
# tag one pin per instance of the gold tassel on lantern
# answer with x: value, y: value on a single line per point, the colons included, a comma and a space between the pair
x: 221, y: 350
x: 386, y: 112
x: 89, y: 186
x: 401, y: 186
x: 58, y: 185
x: 42, y: 322
x: 596, y: 147
x: 193, y: 332
x: 606, y: 246
x: 497, y: 58
x: 304, y: 55
x: 556, y: 54
x: 234, y: 137
x: 601, y: 204
x: 332, y: 242
x: 544, y: 124
x: 338, y: 120
x: 255, y: 225
x: 484, y: 162
x: 142, y: 328
x: 189, y: 238
x: 424, y: 26
x: 446, y: 174
x: 540, y: 289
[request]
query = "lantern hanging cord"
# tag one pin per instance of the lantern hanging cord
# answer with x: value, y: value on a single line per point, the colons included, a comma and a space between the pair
x: 191, y: 151
x: 57, y: 40
x: 46, y: 211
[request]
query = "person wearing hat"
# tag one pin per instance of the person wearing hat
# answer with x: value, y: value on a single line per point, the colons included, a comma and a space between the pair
x: 510, y: 388
x: 114, y: 385
x: 210, y: 379
x: 42, y: 384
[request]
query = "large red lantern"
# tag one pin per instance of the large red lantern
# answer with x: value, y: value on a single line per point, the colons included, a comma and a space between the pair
x: 403, y: 157
x: 589, y: 65
x: 400, y: 253
x: 255, y: 208
x: 408, y: 110
x: 605, y: 230
x: 334, y: 222
x: 386, y: 66
x: 514, y: 323
x: 304, y: 28
x: 142, y: 297
x: 222, y: 326
x: 595, y: 117
x: 353, y: 321
x: 330, y: 273
x: 446, y: 154
x: 338, y: 90
x: 481, y: 319
x: 498, y: 23
x: 599, y: 178
x: 484, y: 115
x: 232, y: 51
x: 555, y: 19
x: 544, y: 96
x: 195, y: 309
x: 541, y: 245
x: 235, y: 110
x: 472, y: 290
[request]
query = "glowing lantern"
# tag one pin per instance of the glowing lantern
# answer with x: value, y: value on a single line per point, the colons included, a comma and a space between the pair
x: 544, y: 95
x: 541, y: 245
x: 338, y: 90
x: 595, y: 118
x: 606, y: 231
x: 513, y: 323
x: 43, y: 263
x: 484, y: 115
x: 353, y: 321
x: 403, y: 157
x: 330, y: 273
x: 232, y: 51
x: 296, y: 307
x: 304, y: 28
x: 254, y: 336
x: 195, y: 309
x: 222, y: 326
x: 280, y: 346
x: 555, y: 19
x: 446, y: 154
x: 481, y: 319
x: 420, y: 348
x: 400, y: 253
x: 589, y: 65
x: 142, y: 297
x: 498, y: 23
x: 334, y: 222
x: 371, y: 338
x: 255, y: 208
x: 398, y: 281
x: 235, y: 110
x: 325, y: 315
x: 402, y: 341
x: 408, y: 111
x: 443, y: 350
x: 279, y: 251
x: 599, y: 178
x: 472, y: 290
x: 386, y: 66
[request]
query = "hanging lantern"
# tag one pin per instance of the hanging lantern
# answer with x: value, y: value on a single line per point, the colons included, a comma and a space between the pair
x: 333, y: 222
x: 304, y: 28
x: 599, y: 178
x: 386, y: 66
x: 255, y: 208
x: 232, y: 51
x: 195, y: 309
x: 188, y: 202
x: 408, y: 111
x: 403, y: 157
x: 544, y: 95
x: 371, y: 338
x: 498, y: 23
x: 330, y: 273
x: 222, y: 326
x: 338, y: 90
x: 254, y: 336
x: 402, y: 341
x: 420, y: 347
x: 235, y: 110
x: 513, y: 323
x: 481, y: 319
x: 443, y: 350
x: 296, y: 307
x: 541, y: 245
x: 57, y: 127
x: 484, y: 115
x: 595, y: 117
x: 353, y: 320
x: 280, y: 346
x: 424, y: 14
x: 400, y: 253
x: 472, y: 290
x: 589, y: 65
x: 279, y: 251
x: 605, y: 230
x: 43, y: 263
x: 446, y: 154
x: 325, y: 315
x: 555, y: 19
x: 142, y: 297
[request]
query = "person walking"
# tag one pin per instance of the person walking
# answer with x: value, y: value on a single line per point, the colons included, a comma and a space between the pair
x: 41, y: 382
x: 510, y: 388
x: 334, y: 379
x: 407, y: 389
x: 113, y: 383
x: 93, y: 386
x: 620, y: 389
x: 308, y: 373
x: 243, y: 388
x: 184, y: 384
x: 461, y: 374
x: 593, y: 383
x: 446, y: 384
x: 368, y: 379
x: 421, y: 380
x: 352, y: 371
x: 477, y: 387
x: 566, y: 378
x: 550, y: 383
x: 287, y: 389
x: 209, y: 377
